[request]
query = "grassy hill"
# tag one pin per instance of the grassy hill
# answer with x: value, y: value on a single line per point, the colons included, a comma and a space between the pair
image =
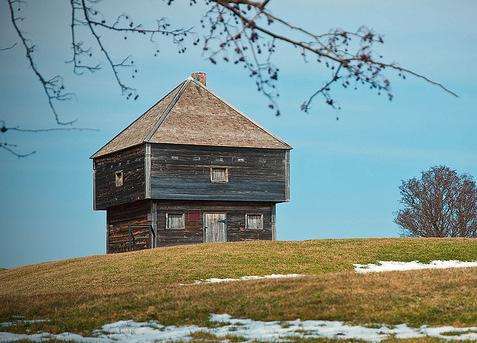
x: 82, y: 294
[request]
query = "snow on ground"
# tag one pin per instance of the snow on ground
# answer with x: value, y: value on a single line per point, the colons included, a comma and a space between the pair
x: 388, y: 266
x: 249, y: 330
x: 22, y: 321
x: 381, y: 266
x: 249, y: 278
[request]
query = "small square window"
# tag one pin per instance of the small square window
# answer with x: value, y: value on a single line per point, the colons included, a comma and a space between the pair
x: 254, y: 221
x: 218, y: 174
x: 118, y: 177
x: 175, y: 221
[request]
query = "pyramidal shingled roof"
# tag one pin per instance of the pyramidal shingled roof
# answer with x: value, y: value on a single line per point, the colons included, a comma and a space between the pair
x: 191, y: 114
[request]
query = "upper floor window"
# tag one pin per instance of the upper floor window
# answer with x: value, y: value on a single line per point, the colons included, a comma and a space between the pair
x: 254, y: 221
x: 219, y: 174
x: 175, y: 221
x: 119, y: 177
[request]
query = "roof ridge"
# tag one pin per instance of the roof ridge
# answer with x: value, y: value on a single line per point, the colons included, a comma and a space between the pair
x: 240, y: 112
x: 167, y: 110
x: 135, y: 120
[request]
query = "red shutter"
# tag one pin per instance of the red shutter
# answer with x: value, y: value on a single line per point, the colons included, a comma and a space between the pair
x: 193, y: 216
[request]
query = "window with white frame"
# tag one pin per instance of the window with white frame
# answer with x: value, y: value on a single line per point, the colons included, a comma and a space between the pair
x: 254, y: 221
x: 119, y: 178
x: 175, y: 221
x: 219, y: 174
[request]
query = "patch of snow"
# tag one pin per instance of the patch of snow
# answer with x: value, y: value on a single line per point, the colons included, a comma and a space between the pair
x: 388, y: 266
x: 250, y: 330
x: 249, y: 278
x: 22, y: 321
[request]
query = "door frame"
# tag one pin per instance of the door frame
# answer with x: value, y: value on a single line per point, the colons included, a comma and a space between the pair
x: 204, y: 228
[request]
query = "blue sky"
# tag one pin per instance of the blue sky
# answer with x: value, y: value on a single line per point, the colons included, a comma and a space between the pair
x: 345, y: 174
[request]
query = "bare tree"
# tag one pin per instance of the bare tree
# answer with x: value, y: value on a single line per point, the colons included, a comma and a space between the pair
x: 243, y: 32
x: 440, y: 203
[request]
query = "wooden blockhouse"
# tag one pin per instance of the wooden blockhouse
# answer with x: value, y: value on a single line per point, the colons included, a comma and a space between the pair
x: 191, y: 169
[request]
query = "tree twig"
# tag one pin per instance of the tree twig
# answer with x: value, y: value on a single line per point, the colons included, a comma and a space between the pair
x: 9, y: 47
x: 53, y: 87
x: 10, y: 148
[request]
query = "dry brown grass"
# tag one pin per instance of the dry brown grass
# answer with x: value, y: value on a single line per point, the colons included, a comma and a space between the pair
x: 82, y: 294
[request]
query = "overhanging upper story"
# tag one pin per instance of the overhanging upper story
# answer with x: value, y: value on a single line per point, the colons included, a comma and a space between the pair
x: 192, y: 145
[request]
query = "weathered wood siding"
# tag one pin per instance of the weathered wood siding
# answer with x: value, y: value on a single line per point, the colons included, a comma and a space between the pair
x: 131, y: 162
x: 183, y: 173
x: 128, y: 227
x: 194, y: 216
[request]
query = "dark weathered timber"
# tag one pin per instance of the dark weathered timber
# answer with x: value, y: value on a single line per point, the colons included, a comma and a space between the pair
x: 182, y: 172
x: 128, y: 227
x: 194, y: 217
x: 131, y: 162
x: 177, y: 179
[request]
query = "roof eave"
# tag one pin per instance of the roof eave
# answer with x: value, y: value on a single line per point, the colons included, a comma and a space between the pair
x: 116, y: 151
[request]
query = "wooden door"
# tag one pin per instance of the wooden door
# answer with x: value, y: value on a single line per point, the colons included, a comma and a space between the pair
x: 215, y: 225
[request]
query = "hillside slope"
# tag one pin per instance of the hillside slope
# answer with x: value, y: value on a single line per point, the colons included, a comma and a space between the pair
x: 82, y: 294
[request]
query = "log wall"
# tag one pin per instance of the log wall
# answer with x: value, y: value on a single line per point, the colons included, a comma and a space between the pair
x: 131, y: 162
x: 128, y: 227
x: 183, y: 173
x: 194, y: 216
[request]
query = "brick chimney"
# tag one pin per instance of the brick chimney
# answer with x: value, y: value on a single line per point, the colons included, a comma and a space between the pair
x: 200, y: 76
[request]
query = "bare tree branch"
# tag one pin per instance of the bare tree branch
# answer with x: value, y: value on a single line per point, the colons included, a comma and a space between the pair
x: 11, y: 148
x: 78, y: 50
x: 53, y: 87
x: 324, y: 90
x: 9, y: 47
x: 92, y: 19
x: 334, y: 49
x: 114, y: 66
x: 84, y: 13
x: 4, y: 128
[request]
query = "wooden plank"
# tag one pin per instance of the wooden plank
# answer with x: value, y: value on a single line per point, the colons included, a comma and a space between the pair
x: 147, y: 170
x: 94, y: 186
x: 154, y: 223
x: 287, y: 175
x: 273, y: 222
x: 107, y: 232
